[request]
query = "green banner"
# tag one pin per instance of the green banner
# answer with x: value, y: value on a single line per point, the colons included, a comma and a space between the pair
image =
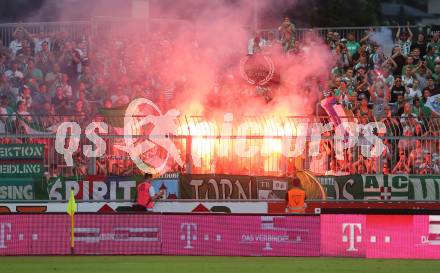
x: 21, y: 151
x: 382, y: 187
x: 17, y: 189
x: 21, y: 169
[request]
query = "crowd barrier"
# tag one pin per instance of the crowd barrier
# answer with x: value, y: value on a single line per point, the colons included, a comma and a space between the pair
x: 367, y: 236
x: 203, y: 150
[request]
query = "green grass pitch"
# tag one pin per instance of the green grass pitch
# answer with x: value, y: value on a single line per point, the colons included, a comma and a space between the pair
x: 170, y: 264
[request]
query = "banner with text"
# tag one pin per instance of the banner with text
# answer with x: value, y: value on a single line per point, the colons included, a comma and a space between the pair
x: 217, y: 186
x: 114, y: 188
x: 381, y: 187
x: 23, y: 160
x: 94, y: 188
x: 17, y: 188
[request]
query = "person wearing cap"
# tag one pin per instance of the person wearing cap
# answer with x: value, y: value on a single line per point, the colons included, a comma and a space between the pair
x: 146, y: 195
x: 296, y: 197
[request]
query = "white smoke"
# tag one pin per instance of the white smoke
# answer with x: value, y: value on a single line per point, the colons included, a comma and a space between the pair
x: 384, y: 38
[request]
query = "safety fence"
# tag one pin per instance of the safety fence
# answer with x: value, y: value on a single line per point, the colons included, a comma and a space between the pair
x: 343, y: 32
x: 367, y: 236
x: 76, y: 30
x: 245, y: 145
x: 114, y: 27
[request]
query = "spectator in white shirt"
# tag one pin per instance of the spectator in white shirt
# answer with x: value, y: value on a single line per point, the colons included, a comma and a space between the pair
x: 404, y: 39
x: 256, y: 44
x: 413, y: 91
x: 15, y: 77
x: 16, y: 44
x: 25, y: 96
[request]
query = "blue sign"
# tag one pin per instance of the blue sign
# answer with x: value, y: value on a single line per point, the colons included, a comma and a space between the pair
x: 169, y: 187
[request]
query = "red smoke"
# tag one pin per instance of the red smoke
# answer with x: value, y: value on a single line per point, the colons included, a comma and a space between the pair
x: 207, y: 54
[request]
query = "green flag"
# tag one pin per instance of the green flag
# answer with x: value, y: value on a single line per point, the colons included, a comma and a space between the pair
x: 71, y: 207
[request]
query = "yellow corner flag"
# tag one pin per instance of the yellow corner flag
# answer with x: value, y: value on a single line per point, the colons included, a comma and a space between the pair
x: 71, y: 207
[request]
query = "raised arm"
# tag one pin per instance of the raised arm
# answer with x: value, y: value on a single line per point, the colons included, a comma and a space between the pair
x: 387, y: 94
x: 410, y: 34
x: 367, y: 36
x: 391, y: 61
x: 372, y: 94
x: 398, y: 33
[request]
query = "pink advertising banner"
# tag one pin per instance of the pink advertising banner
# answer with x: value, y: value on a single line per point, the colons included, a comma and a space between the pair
x: 118, y: 234
x: 161, y: 234
x: 370, y: 236
x: 241, y: 235
x: 381, y: 236
x: 341, y: 235
x: 41, y: 234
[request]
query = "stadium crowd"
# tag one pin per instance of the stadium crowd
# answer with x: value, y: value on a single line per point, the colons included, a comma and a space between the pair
x: 53, y: 74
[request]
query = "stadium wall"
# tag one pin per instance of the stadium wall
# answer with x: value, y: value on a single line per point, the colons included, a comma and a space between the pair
x: 368, y: 236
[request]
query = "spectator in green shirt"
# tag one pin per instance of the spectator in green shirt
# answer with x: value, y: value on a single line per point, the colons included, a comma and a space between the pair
x: 426, y: 112
x: 430, y: 58
x: 352, y: 45
x: 435, y: 43
x: 409, y: 63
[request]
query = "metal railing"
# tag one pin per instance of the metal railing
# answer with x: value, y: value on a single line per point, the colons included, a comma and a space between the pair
x: 204, y: 148
x: 112, y: 26
x: 343, y: 32
x: 75, y: 29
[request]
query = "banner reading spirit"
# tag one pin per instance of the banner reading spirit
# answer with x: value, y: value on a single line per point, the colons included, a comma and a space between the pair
x: 382, y: 187
x: 93, y: 188
x: 110, y: 188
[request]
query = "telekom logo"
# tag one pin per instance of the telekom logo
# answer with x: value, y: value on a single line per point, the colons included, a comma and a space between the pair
x: 351, y: 238
x: 189, y: 233
x: 5, y: 234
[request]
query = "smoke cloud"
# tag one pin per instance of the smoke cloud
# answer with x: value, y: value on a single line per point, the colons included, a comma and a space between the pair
x: 384, y: 37
x: 198, y: 56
